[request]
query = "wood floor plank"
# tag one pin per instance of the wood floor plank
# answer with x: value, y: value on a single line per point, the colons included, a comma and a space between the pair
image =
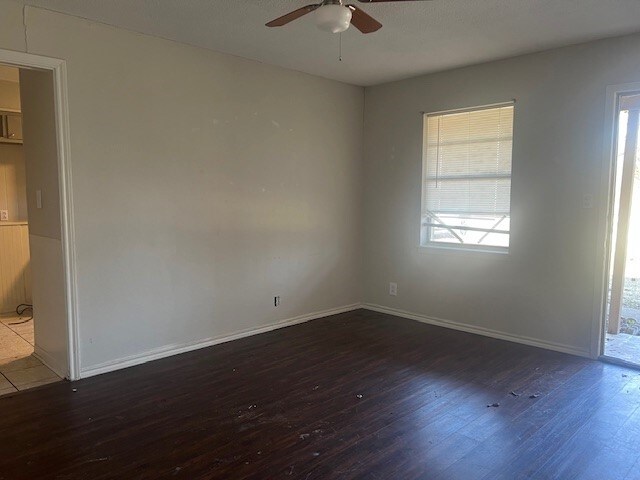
x: 360, y: 395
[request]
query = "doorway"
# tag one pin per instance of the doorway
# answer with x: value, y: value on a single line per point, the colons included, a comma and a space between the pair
x: 44, y: 315
x: 622, y: 315
x: 20, y: 367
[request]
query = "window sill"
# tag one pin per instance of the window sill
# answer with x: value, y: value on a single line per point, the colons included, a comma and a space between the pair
x: 454, y: 249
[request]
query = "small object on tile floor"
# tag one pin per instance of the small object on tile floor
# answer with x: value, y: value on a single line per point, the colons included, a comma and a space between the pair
x: 21, y: 321
x: 359, y: 395
x: 74, y: 390
x: 535, y: 395
x: 494, y: 405
x: 514, y: 393
x: 20, y: 309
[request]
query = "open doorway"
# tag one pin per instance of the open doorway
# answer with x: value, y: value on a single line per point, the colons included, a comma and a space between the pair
x: 622, y: 316
x: 38, y: 336
x: 20, y: 369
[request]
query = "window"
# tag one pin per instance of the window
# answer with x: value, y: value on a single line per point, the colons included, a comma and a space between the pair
x: 466, y: 191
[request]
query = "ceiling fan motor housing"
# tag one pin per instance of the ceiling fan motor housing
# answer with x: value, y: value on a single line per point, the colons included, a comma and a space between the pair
x: 333, y: 16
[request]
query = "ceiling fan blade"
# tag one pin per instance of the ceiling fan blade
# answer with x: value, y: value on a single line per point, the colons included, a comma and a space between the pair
x: 386, y: 1
x: 291, y: 16
x: 363, y: 21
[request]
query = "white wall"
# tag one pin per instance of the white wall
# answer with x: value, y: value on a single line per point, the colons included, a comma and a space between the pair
x: 49, y: 308
x: 13, y: 196
x: 544, y: 290
x: 203, y: 185
x: 41, y: 158
x: 15, y: 285
x: 41, y: 152
x: 12, y: 168
x: 9, y: 92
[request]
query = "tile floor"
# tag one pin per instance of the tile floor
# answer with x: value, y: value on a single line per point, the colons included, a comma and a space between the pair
x: 19, y: 369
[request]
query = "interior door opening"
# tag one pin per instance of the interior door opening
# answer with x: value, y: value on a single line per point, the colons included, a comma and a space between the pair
x: 33, y: 312
x: 622, y: 317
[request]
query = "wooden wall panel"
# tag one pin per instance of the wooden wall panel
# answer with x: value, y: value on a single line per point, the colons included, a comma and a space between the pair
x: 14, y: 266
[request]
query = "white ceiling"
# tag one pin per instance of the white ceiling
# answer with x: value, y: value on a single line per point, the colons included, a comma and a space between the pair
x: 417, y: 37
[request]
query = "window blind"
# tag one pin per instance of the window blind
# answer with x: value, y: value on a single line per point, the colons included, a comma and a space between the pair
x: 467, y: 162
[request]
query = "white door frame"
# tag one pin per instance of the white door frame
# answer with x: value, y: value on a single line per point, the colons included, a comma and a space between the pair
x: 59, y: 69
x: 605, y: 214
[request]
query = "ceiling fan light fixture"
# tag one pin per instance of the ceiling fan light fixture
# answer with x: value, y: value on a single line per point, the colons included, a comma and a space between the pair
x: 333, y: 18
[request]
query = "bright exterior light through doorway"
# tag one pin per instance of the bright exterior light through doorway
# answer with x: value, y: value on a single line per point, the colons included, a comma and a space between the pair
x: 623, y: 314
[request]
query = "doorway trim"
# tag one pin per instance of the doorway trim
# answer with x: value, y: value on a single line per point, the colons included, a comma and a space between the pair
x: 605, y: 214
x: 59, y: 69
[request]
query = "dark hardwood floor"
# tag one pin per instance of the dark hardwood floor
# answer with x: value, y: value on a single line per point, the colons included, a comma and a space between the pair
x: 358, y: 395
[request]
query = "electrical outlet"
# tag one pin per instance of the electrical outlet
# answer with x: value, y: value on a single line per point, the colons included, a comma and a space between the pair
x: 4, y: 215
x: 276, y: 301
x: 393, y: 289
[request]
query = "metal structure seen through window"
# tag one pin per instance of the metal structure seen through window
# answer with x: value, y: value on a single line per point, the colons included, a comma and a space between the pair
x: 466, y: 189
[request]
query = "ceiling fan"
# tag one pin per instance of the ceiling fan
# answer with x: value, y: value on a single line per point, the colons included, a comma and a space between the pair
x: 334, y: 16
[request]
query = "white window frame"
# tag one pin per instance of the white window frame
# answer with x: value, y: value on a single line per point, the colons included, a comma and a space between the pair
x: 424, y: 233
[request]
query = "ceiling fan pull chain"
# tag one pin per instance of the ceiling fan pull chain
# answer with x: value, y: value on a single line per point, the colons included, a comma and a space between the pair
x: 340, y: 43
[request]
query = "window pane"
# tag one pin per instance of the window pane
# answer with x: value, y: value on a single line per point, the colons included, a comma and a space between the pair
x: 479, y: 231
x: 467, y: 177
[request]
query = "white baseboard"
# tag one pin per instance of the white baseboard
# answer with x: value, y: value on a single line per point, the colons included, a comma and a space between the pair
x: 176, y: 349
x: 170, y: 350
x: 534, y: 342
x: 50, y: 361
